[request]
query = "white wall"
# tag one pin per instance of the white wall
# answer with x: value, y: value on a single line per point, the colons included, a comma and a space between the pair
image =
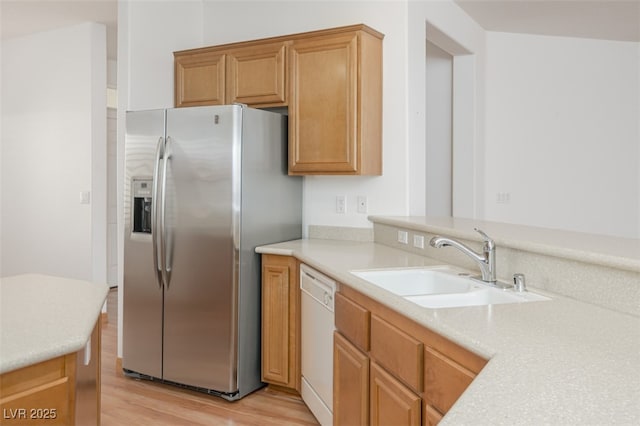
x: 53, y: 134
x: 235, y: 21
x: 562, y: 134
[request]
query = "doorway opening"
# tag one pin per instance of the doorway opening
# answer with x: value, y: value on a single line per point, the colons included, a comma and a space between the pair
x: 449, y: 126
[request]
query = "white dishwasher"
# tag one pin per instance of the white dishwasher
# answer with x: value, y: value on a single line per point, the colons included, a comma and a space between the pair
x: 317, y: 326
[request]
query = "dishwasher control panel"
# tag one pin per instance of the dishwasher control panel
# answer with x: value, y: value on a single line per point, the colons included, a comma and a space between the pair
x: 318, y: 286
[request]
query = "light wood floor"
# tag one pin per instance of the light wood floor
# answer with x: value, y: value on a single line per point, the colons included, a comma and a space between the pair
x: 126, y: 401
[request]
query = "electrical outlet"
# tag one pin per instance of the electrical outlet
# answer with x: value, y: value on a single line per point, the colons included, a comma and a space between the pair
x: 341, y: 204
x: 403, y: 237
x: 418, y: 241
x: 362, y: 204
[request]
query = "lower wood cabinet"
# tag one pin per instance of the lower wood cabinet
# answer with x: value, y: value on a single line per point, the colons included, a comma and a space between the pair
x: 41, y: 393
x: 415, y: 375
x: 58, y: 391
x: 350, y: 383
x: 280, y: 321
x: 392, y: 403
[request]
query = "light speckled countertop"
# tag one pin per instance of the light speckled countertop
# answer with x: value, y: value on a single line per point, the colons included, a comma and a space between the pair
x: 43, y: 317
x: 559, y: 362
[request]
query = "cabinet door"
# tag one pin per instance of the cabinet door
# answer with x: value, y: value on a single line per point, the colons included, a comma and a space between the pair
x: 335, y: 105
x: 200, y: 79
x: 256, y: 75
x: 391, y: 402
x: 280, y: 321
x: 323, y: 105
x: 350, y: 384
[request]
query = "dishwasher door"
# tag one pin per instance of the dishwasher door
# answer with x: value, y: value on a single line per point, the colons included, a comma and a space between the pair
x: 317, y: 326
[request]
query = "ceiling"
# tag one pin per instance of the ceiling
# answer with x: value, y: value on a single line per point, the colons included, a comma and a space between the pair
x: 23, y: 17
x: 602, y: 19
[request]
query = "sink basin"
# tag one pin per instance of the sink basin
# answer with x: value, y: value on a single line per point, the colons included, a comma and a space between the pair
x: 442, y: 287
x: 481, y: 295
x: 417, y: 281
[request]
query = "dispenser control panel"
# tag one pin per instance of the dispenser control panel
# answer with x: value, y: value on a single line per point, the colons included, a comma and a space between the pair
x: 142, y: 199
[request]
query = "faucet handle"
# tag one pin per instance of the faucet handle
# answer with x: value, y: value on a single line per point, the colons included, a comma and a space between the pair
x: 487, y: 239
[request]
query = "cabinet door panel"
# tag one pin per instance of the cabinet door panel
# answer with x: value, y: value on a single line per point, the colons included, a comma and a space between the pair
x: 323, y: 105
x: 350, y: 383
x: 200, y: 79
x: 256, y: 75
x: 391, y: 402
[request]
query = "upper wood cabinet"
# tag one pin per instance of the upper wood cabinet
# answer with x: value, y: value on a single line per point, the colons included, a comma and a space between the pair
x: 251, y: 73
x: 256, y: 75
x: 200, y: 79
x: 335, y: 107
x: 331, y: 81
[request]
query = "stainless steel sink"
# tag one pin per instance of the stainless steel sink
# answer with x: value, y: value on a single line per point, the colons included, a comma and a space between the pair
x: 442, y: 287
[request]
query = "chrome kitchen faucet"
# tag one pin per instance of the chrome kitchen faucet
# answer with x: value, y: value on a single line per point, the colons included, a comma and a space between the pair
x: 485, y: 260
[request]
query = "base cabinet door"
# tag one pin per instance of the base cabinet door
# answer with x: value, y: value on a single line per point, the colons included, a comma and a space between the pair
x: 280, y: 319
x: 392, y: 403
x: 350, y: 383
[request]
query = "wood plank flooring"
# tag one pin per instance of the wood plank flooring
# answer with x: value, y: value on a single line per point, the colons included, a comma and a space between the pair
x: 127, y: 401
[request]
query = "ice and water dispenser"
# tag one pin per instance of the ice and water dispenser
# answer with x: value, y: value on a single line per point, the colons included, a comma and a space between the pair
x: 142, y: 197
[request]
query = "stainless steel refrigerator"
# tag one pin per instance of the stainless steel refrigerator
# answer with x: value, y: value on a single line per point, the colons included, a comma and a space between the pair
x: 203, y: 187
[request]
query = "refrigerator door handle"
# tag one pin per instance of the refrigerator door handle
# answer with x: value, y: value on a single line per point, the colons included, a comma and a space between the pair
x: 155, y: 230
x: 164, y: 252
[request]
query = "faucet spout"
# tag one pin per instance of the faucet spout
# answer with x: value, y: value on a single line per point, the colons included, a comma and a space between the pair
x: 485, y: 260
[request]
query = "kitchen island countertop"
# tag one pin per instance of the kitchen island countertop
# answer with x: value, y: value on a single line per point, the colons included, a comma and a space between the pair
x: 43, y: 317
x: 560, y: 362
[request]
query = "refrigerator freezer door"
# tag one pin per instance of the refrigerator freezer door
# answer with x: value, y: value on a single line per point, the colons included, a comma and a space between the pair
x: 202, y: 228
x: 142, y: 312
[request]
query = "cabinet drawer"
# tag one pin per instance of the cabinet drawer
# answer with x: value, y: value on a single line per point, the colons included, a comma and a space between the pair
x: 353, y: 321
x: 42, y: 393
x: 444, y: 380
x: 398, y: 352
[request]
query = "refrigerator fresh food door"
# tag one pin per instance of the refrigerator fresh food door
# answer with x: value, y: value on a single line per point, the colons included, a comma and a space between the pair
x: 142, y: 312
x: 201, y: 239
